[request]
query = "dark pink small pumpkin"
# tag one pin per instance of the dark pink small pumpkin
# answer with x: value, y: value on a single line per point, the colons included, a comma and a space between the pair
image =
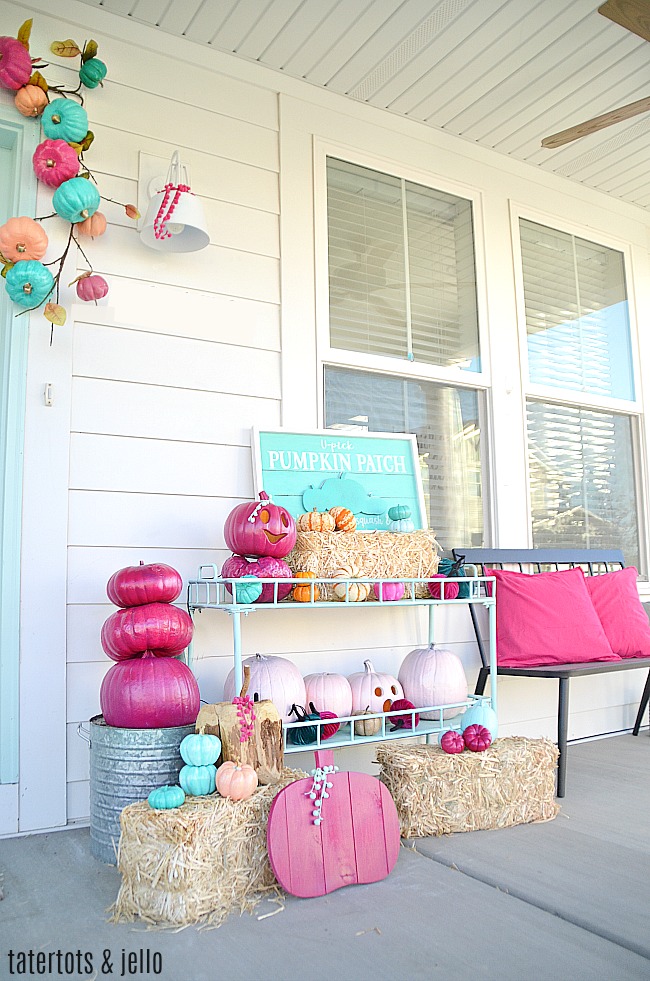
x: 451, y: 589
x: 92, y: 288
x: 403, y: 721
x: 15, y: 64
x: 477, y: 738
x: 452, y: 742
x: 326, y: 731
x: 260, y: 528
x: 54, y: 162
x: 136, y: 585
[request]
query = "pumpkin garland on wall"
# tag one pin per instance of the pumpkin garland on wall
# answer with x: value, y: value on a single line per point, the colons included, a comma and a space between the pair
x: 59, y: 164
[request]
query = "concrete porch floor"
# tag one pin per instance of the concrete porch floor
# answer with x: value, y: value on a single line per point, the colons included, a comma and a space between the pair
x: 565, y: 899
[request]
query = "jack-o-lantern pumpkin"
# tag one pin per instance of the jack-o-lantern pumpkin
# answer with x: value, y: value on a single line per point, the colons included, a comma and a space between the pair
x: 260, y: 528
x: 373, y: 691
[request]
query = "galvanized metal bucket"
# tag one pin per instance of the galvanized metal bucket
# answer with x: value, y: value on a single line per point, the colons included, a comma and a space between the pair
x: 125, y: 766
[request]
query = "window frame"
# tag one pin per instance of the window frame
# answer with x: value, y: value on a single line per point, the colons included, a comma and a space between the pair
x: 632, y: 409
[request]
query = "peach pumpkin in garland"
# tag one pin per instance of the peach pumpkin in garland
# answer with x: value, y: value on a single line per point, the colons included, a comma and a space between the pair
x: 22, y: 239
x: 31, y: 100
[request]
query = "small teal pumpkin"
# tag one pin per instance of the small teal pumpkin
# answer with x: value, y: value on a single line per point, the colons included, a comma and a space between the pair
x: 248, y: 589
x: 398, y: 512
x: 200, y: 749
x: 65, y: 119
x: 76, y: 199
x: 198, y: 780
x: 455, y: 571
x: 481, y: 714
x: 306, y: 734
x: 401, y: 525
x: 29, y: 283
x: 164, y: 798
x: 92, y: 72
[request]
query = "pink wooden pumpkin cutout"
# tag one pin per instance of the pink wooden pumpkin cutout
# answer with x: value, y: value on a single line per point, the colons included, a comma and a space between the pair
x: 356, y: 841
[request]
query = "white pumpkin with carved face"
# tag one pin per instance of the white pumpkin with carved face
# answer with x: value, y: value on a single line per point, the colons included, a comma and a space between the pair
x: 373, y: 691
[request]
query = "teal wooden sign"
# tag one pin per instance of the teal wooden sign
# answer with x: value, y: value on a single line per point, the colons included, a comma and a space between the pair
x: 367, y: 472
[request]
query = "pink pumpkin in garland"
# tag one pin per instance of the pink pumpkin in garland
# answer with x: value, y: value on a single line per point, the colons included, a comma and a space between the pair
x: 136, y: 585
x: 149, y: 693
x: 264, y: 567
x: 160, y: 629
x: 15, y: 64
x: 260, y: 528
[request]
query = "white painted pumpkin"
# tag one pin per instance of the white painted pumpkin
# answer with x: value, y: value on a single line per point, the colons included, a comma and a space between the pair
x: 434, y: 676
x: 329, y: 692
x: 275, y: 678
x: 373, y: 691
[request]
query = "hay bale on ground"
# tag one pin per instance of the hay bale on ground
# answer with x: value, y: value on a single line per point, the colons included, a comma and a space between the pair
x: 513, y: 782
x: 198, y: 862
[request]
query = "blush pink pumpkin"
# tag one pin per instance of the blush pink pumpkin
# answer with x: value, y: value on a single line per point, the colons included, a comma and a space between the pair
x: 330, y: 692
x: 275, y: 678
x: 373, y: 691
x: 260, y: 528
x: 434, y: 676
x: 149, y: 693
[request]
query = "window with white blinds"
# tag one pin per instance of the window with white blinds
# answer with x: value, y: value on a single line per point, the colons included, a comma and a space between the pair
x: 577, y: 320
x: 402, y: 280
x: 581, y: 458
x: 446, y: 423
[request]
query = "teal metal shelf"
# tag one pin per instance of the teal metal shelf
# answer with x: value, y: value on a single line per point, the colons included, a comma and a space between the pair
x: 212, y: 592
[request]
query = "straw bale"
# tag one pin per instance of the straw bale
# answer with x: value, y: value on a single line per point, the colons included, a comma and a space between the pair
x: 196, y: 863
x: 378, y: 554
x: 436, y: 793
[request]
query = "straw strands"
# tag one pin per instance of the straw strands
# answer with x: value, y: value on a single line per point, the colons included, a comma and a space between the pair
x: 513, y: 782
x: 196, y: 863
x: 377, y: 554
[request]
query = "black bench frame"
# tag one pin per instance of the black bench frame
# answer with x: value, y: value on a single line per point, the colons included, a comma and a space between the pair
x: 594, y: 562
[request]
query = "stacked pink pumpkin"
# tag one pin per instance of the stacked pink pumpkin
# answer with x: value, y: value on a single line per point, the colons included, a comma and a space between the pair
x: 260, y: 533
x: 148, y: 688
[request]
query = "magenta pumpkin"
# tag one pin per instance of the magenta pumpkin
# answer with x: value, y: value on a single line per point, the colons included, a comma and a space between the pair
x: 388, y: 591
x: 452, y: 742
x: 403, y: 721
x: 92, y: 288
x: 149, y: 693
x: 264, y: 567
x: 260, y: 528
x: 54, y: 162
x: 331, y: 728
x: 136, y: 585
x: 477, y: 738
x: 158, y: 628
x: 15, y: 64
x: 451, y: 589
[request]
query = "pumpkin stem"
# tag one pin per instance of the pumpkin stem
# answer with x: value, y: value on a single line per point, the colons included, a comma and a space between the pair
x: 247, y: 679
x: 368, y: 666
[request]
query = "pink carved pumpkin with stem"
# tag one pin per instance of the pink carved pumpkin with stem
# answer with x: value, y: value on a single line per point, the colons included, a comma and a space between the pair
x: 149, y: 693
x: 260, y: 528
x: 373, y: 691
x: 264, y: 567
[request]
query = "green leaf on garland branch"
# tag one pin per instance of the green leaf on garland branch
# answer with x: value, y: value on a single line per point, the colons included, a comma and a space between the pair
x: 77, y: 149
x: 89, y: 51
x: 5, y: 269
x: 55, y: 314
x: 65, y: 49
x: 87, y: 141
x: 37, y: 79
x: 25, y: 32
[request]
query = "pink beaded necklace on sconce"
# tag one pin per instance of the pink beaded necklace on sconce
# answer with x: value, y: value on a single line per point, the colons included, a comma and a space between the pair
x: 166, y: 209
x: 175, y: 221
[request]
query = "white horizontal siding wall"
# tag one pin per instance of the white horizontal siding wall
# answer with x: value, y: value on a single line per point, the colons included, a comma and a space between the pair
x: 147, y: 449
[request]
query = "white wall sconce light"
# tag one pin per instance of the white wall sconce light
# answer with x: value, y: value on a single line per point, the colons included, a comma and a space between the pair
x: 175, y: 221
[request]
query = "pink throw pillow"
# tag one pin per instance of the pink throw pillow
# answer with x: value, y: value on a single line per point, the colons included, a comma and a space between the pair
x: 616, y: 599
x: 547, y: 618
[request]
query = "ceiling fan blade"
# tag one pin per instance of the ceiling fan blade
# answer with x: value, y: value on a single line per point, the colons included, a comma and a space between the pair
x: 598, y: 122
x: 633, y: 15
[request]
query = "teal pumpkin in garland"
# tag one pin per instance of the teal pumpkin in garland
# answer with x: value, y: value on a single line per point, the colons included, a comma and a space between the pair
x: 29, y: 283
x: 92, y: 73
x: 76, y: 199
x: 64, y: 119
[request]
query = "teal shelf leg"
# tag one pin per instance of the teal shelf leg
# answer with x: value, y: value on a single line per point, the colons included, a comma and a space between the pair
x: 492, y: 626
x: 236, y: 641
x: 431, y: 625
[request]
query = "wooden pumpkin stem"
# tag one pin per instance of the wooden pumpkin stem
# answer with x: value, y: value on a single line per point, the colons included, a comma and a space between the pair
x: 247, y: 681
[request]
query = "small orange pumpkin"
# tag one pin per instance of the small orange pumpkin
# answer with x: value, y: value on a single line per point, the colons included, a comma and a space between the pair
x: 22, y: 238
x: 30, y: 100
x: 303, y: 594
x: 236, y: 781
x: 93, y: 226
x: 344, y: 519
x: 316, y: 521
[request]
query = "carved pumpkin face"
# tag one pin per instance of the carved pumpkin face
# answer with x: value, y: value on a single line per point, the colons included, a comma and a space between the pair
x: 260, y: 528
